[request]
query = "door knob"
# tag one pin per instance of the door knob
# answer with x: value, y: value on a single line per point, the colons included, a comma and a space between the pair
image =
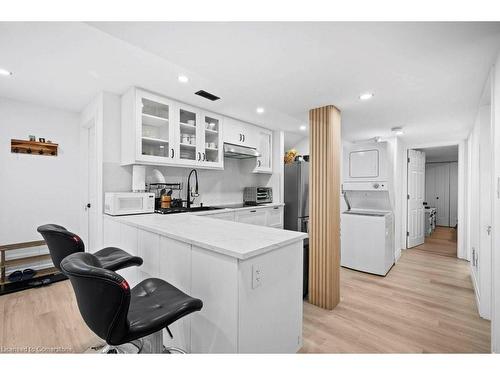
x: 488, y: 229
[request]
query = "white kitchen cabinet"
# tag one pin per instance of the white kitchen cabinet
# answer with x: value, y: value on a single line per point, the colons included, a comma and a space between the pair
x: 160, y: 131
x: 229, y: 216
x: 148, y: 133
x: 148, y: 248
x: 211, y: 140
x: 264, y: 147
x: 274, y: 217
x: 175, y: 268
x: 124, y: 237
x: 240, y: 133
x: 190, y: 131
x: 257, y: 216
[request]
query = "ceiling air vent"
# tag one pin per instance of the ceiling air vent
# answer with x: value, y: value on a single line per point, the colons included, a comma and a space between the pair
x: 207, y: 95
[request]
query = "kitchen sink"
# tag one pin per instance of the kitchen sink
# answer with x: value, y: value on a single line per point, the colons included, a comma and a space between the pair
x: 203, y: 208
x: 177, y: 210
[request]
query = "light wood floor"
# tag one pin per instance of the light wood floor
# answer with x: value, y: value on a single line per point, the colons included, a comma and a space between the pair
x: 442, y: 242
x: 424, y: 305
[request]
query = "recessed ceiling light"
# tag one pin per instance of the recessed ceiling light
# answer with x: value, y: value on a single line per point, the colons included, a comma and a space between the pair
x: 5, y: 72
x: 397, y: 131
x: 366, y: 96
x: 260, y: 110
x: 303, y: 127
x: 182, y: 78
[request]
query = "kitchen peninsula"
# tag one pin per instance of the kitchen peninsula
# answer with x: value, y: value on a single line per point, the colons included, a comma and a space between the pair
x: 249, y: 278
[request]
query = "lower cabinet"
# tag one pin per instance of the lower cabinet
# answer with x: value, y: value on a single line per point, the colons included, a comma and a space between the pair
x: 238, y: 315
x: 265, y: 216
x: 275, y: 217
x: 229, y: 216
x: 175, y: 268
x: 256, y: 216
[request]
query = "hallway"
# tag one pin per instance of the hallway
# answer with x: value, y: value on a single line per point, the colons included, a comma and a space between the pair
x: 442, y: 242
x: 425, y: 304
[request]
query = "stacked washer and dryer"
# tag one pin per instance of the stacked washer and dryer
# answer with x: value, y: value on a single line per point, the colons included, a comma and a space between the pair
x: 367, y: 225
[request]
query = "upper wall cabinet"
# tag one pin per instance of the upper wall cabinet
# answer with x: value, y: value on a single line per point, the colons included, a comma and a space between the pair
x: 264, y: 147
x: 159, y: 131
x: 240, y: 133
x: 244, y: 134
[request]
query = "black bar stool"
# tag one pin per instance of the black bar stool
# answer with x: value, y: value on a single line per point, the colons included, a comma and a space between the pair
x: 62, y: 243
x: 120, y: 315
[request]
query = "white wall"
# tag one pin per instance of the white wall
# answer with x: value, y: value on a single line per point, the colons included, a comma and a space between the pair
x: 302, y: 146
x: 34, y: 189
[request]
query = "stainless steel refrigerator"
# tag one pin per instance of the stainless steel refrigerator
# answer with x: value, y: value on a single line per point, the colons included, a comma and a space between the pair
x: 297, y: 207
x: 297, y: 196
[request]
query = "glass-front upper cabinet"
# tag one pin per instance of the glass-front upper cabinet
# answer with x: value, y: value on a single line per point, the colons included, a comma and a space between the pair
x: 264, y: 147
x: 212, y: 145
x: 155, y: 128
x: 189, y: 134
x: 160, y: 131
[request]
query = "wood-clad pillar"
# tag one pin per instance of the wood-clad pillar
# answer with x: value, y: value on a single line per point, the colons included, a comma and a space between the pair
x: 324, y: 206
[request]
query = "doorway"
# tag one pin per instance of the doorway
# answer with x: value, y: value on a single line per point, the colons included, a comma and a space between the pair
x: 89, y: 223
x: 433, y: 199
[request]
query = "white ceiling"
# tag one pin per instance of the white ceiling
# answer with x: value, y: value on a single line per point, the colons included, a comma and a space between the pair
x: 427, y: 77
x: 441, y: 154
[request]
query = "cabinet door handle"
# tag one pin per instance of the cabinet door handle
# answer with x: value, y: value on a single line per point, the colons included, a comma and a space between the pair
x: 259, y: 163
x: 172, y: 154
x: 199, y: 156
x: 253, y: 211
x: 243, y: 137
x: 240, y: 138
x: 275, y: 208
x: 204, y: 157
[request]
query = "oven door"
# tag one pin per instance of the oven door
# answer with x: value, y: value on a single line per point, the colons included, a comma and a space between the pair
x: 126, y: 204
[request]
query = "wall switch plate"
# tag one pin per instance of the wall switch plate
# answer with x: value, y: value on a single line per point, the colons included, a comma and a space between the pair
x: 256, y: 276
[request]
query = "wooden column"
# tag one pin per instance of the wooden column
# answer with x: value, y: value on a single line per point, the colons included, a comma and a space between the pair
x: 324, y: 207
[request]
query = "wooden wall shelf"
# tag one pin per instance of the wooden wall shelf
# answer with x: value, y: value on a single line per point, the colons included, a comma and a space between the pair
x: 19, y: 146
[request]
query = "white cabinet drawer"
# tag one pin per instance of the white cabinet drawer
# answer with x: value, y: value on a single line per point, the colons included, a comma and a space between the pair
x: 229, y: 216
x: 255, y: 216
x: 275, y: 217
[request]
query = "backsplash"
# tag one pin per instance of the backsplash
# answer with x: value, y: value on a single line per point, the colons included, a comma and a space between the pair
x: 215, y: 186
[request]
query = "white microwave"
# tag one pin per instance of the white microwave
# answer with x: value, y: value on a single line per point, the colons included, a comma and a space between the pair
x: 116, y: 204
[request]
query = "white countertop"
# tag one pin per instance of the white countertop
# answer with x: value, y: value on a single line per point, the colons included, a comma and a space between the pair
x: 230, y: 238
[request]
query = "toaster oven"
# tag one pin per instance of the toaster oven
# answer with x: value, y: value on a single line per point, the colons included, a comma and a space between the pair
x: 257, y: 195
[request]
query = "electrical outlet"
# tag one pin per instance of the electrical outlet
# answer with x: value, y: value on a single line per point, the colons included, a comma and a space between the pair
x: 256, y: 276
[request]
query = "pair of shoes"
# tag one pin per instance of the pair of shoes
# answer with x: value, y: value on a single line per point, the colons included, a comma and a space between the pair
x: 27, y: 274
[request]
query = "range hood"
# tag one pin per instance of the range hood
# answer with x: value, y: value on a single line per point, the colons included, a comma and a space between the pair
x: 239, y: 152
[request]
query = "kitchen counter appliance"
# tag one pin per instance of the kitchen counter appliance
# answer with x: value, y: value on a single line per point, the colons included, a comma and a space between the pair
x: 128, y: 203
x: 257, y: 195
x: 297, y: 207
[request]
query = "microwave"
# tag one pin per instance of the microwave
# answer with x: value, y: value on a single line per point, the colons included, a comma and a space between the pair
x: 257, y: 195
x: 117, y: 204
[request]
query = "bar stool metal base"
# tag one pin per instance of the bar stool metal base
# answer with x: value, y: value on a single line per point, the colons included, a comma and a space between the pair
x: 151, y: 344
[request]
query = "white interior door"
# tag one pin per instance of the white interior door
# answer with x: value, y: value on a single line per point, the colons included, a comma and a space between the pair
x: 416, y: 187
x: 88, y: 230
x: 453, y: 194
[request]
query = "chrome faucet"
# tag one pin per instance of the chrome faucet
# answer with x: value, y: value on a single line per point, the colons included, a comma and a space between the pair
x: 190, y: 193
